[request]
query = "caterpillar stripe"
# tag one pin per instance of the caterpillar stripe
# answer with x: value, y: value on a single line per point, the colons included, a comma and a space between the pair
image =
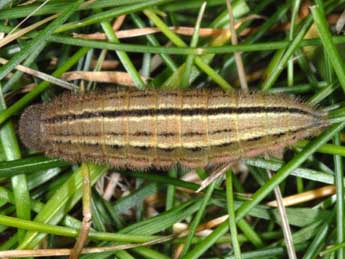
x: 143, y: 129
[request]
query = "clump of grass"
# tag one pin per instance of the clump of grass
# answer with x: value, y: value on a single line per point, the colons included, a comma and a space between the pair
x: 173, y: 44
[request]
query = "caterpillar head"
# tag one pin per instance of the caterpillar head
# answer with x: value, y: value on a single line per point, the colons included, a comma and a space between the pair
x: 30, y: 127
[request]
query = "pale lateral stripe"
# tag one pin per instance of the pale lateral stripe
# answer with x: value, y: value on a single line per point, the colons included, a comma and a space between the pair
x: 111, y: 140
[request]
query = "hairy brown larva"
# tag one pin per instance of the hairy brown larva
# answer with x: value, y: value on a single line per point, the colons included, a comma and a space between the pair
x: 142, y: 129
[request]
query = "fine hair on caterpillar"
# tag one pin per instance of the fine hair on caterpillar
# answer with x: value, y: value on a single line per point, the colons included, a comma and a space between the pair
x: 128, y: 128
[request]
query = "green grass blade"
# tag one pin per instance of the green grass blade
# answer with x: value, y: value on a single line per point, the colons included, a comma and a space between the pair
x: 60, y: 203
x: 266, y: 189
x: 330, y: 47
x: 125, y: 60
x: 38, y: 42
x: 41, y: 87
x: 115, y: 12
x: 231, y: 213
x: 19, y: 183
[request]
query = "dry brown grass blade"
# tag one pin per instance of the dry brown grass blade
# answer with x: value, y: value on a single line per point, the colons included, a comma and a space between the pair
x: 253, y: 76
x: 27, y: 3
x: 87, y: 214
x: 29, y: 15
x: 182, y: 30
x: 188, y: 31
x: 109, y: 190
x: 131, y: 33
x: 340, y: 23
x: 234, y: 41
x: 113, y: 77
x: 202, y: 230
x: 213, y: 176
x: 181, y: 229
x: 106, y: 64
x: 306, y: 196
x: 11, y: 37
x: 212, y: 223
x: 86, y: 3
x: 118, y: 22
x: 284, y: 221
x: 43, y: 76
x: 66, y: 251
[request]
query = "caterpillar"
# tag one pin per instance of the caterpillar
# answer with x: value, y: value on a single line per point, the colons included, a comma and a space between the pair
x: 127, y: 128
